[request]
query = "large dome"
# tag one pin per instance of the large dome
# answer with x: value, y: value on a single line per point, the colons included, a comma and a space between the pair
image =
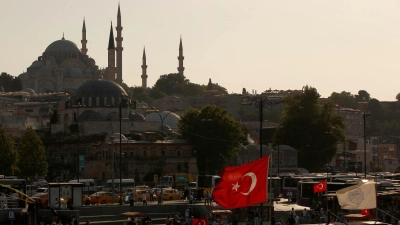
x: 100, y: 88
x: 62, y: 46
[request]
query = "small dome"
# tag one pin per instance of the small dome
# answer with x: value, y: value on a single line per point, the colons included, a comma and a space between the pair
x: 97, y: 116
x: 100, y: 88
x: 45, y: 70
x: 113, y: 116
x: 171, y: 119
x: 85, y: 115
x: 62, y: 46
x: 88, y: 73
x: 91, y: 62
x: 136, y: 117
x: 30, y: 91
x: 37, y: 64
x: 116, y: 137
x: 75, y: 72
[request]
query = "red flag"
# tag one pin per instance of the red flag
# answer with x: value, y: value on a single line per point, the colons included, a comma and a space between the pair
x: 320, y: 187
x: 365, y: 212
x: 244, y: 185
x: 200, y: 221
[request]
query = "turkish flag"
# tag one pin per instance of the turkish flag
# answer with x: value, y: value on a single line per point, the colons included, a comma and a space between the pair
x: 320, y: 187
x: 200, y: 221
x: 365, y: 212
x: 244, y: 185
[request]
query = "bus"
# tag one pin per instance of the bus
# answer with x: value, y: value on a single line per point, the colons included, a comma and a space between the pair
x: 89, y: 185
x: 12, y: 186
x: 126, y: 184
x: 290, y: 183
x: 207, y: 182
x: 305, y: 191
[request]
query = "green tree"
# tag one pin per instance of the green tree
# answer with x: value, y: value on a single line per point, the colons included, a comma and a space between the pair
x: 363, y: 96
x: 344, y: 99
x: 32, y: 159
x: 10, y: 83
x: 140, y: 94
x: 313, y: 129
x: 172, y: 83
x: 214, y: 134
x: 156, y: 93
x: 8, y: 154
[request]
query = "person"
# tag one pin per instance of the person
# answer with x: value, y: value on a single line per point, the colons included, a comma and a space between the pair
x: 167, y: 220
x: 131, y: 199
x: 59, y: 223
x: 289, y: 196
x: 187, y: 215
x: 304, y: 212
x: 58, y: 204
x: 131, y: 221
x: 292, y: 212
x: 291, y: 220
x: 151, y: 192
x: 296, y: 219
x: 3, y: 201
x: 256, y: 217
x: 88, y: 201
x: 144, y: 198
x: 307, y: 218
x: 74, y: 221
x: 159, y: 199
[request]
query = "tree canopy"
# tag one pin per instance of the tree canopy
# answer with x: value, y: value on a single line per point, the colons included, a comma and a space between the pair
x: 215, y: 136
x: 8, y: 154
x: 313, y: 129
x: 32, y: 159
x: 10, y: 83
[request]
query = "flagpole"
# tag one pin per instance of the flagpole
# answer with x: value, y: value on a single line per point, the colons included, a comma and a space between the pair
x: 326, y: 194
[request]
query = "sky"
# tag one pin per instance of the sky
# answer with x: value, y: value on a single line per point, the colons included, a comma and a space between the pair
x: 331, y: 45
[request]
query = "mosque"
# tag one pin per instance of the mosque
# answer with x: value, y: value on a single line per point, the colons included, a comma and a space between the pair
x: 63, y: 67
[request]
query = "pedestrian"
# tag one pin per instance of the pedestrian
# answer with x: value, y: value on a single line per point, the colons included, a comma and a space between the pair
x: 58, y: 204
x: 131, y: 199
x: 292, y: 212
x: 256, y: 217
x: 304, y: 212
x: 307, y: 218
x: 144, y: 198
x: 151, y: 192
x: 3, y: 201
x: 296, y: 219
x: 167, y: 220
x: 289, y: 196
x: 159, y: 199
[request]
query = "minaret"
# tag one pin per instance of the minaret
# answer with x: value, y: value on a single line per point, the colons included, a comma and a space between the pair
x: 119, y: 48
x: 144, y: 70
x: 111, y: 70
x: 181, y: 58
x: 84, y: 41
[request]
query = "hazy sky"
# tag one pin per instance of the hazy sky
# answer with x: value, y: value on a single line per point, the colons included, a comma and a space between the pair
x: 334, y: 46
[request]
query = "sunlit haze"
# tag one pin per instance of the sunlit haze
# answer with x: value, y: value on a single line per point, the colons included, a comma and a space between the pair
x: 334, y: 46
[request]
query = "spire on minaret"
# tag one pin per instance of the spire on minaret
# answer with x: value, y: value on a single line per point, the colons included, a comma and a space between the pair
x: 181, y: 58
x: 111, y: 70
x: 119, y: 47
x: 84, y: 41
x: 144, y: 69
x: 111, y: 44
x: 63, y: 37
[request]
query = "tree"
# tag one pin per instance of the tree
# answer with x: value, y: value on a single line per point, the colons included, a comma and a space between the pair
x: 32, y: 159
x: 363, y: 96
x: 344, y: 99
x: 312, y: 129
x: 140, y: 94
x: 172, y: 83
x: 214, y: 134
x: 10, y: 83
x: 8, y: 154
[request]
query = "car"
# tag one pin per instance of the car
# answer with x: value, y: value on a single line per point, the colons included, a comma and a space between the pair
x: 43, y: 200
x: 42, y: 190
x: 157, y: 188
x: 40, y: 182
x: 143, y: 187
x: 171, y: 194
x: 101, y: 197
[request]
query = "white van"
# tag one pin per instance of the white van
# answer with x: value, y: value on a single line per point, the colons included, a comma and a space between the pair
x: 126, y: 183
x: 88, y: 185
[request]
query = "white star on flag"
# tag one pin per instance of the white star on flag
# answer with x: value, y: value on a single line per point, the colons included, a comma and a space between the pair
x: 235, y: 186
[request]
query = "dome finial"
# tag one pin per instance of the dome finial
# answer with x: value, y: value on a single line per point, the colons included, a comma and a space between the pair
x: 63, y: 37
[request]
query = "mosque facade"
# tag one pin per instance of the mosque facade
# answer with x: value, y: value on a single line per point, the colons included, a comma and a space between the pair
x: 63, y: 67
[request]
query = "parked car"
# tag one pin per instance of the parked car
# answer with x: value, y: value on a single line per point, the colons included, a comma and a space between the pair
x: 101, y: 197
x: 157, y: 188
x: 43, y: 200
x: 171, y: 194
x: 40, y: 182
x: 143, y: 187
